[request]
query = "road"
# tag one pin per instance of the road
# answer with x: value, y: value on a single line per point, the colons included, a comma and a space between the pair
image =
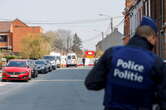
x: 62, y: 89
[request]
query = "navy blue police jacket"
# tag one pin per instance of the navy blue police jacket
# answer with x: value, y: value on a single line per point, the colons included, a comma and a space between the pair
x: 132, y: 76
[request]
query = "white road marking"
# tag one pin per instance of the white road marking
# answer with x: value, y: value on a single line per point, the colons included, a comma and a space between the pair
x: 59, y: 80
x: 86, y: 68
x: 3, y: 83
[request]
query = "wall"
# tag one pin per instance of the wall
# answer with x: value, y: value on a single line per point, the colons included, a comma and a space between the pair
x: 19, y: 33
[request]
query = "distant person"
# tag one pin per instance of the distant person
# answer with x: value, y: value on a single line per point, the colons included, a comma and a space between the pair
x: 63, y: 61
x: 132, y: 75
x: 83, y: 61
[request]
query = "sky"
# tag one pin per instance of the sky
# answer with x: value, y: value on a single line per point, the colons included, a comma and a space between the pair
x: 79, y: 16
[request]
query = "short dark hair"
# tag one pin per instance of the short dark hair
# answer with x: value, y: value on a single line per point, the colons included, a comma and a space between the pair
x: 145, y: 31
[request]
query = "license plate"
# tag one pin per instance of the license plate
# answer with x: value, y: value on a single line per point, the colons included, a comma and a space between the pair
x: 13, y: 75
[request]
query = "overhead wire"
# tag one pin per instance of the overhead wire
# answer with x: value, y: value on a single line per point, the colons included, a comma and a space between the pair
x: 90, y: 39
x: 45, y: 22
x: 122, y: 21
x: 71, y: 22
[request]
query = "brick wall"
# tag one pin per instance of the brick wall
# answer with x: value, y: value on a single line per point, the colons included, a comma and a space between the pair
x: 157, y: 6
x: 127, y: 26
x: 19, y: 33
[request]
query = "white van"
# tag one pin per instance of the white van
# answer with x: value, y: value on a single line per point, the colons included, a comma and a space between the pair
x: 71, y: 60
x: 57, y: 57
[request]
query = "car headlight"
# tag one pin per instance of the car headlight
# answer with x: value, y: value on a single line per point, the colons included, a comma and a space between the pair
x: 42, y: 67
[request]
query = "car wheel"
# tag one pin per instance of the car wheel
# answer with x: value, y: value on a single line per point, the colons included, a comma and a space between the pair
x: 3, y: 80
x: 30, y: 77
x: 27, y: 80
x: 36, y: 75
x: 45, y: 71
x: 33, y: 76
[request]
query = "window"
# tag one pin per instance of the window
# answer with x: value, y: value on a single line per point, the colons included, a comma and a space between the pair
x: 73, y: 57
x: 17, y: 64
x: 3, y: 38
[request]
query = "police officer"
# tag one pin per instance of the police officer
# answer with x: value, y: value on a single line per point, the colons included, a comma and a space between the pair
x: 83, y: 61
x: 133, y: 77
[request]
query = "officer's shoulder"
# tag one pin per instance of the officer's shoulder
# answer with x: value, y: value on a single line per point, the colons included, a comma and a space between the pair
x: 151, y: 53
x: 157, y: 59
x: 114, y: 48
x: 109, y: 52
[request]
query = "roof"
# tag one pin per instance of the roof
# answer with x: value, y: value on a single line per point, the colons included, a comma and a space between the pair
x: 5, y: 26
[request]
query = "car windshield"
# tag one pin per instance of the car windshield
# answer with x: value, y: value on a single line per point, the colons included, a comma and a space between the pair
x: 40, y: 62
x: 69, y: 57
x: 49, y: 57
x: 73, y: 57
x: 57, y: 57
x: 17, y: 64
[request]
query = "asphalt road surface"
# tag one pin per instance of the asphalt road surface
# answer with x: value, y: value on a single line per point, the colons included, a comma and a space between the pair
x: 62, y: 89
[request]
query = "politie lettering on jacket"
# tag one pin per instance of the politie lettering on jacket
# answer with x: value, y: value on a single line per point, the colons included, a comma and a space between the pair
x: 131, y: 71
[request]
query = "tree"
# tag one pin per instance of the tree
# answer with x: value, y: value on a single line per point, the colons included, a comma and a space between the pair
x: 77, y: 45
x: 65, y: 35
x: 59, y: 40
x: 35, y: 46
x: 54, y: 40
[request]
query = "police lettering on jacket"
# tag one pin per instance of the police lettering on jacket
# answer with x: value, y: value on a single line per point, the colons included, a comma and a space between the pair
x: 130, y: 71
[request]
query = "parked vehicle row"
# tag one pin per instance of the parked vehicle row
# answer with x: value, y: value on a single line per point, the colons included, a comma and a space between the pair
x: 25, y: 69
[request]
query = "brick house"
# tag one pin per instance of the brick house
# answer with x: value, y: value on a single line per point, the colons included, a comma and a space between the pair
x: 133, y: 15
x: 128, y: 5
x: 153, y: 8
x: 158, y: 12
x: 12, y: 33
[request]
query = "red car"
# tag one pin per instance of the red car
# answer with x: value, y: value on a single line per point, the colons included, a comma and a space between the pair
x: 17, y: 70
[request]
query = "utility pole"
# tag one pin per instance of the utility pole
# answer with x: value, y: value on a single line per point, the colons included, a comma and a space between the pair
x: 67, y: 44
x: 102, y: 34
x: 111, y: 20
x: 111, y: 23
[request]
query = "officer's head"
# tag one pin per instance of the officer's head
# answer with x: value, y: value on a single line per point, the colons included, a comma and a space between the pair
x: 148, y: 29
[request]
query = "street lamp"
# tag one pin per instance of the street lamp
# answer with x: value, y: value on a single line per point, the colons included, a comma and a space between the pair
x: 111, y: 20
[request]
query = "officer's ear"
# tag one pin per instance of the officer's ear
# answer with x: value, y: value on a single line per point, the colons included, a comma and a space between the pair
x: 152, y: 39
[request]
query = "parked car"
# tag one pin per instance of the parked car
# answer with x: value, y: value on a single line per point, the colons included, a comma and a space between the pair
x: 71, y: 60
x: 32, y: 65
x: 41, y: 66
x: 49, y: 65
x: 52, y: 60
x: 17, y: 70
